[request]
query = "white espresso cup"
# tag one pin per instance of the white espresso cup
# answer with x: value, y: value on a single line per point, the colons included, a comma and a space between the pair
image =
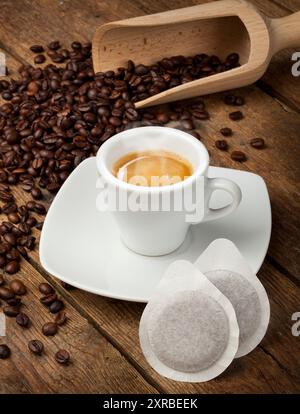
x: 154, y: 231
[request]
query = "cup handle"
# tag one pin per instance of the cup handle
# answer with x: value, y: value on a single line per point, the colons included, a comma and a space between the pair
x: 221, y: 184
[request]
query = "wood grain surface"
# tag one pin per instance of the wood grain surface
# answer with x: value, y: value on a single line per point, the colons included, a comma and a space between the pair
x: 113, y: 361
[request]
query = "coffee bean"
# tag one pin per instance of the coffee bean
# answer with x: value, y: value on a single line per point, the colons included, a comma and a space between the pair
x: 221, y: 144
x: 23, y: 320
x: 14, y: 218
x: 6, y: 293
x: 67, y: 286
x: 36, y: 347
x: 4, y: 351
x: 2, y: 281
x: 11, y: 311
x: 238, y: 156
x: 62, y: 357
x: 257, y: 143
x: 187, y: 124
x: 39, y: 59
x: 56, y: 306
x: 54, y: 45
x: 227, y: 132
x: 37, y: 49
x: 61, y: 318
x: 12, y: 267
x: 16, y: 301
x: 46, y: 289
x: 48, y: 299
x: 13, y: 254
x: 50, y: 329
x: 10, y: 238
x: 18, y: 287
x: 236, y: 116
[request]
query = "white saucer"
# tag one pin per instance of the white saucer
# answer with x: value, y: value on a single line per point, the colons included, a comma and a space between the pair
x: 82, y: 247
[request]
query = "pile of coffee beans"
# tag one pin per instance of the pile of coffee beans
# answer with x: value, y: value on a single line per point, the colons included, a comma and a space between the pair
x: 58, y: 114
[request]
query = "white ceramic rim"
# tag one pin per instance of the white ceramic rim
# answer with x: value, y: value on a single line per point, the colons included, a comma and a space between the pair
x: 111, y: 179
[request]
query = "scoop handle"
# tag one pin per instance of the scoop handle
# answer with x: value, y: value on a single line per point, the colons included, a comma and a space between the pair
x: 285, y: 32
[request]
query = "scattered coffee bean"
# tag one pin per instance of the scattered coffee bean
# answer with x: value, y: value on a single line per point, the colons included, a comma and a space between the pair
x: 221, y: 144
x: 238, y: 156
x: 226, y: 132
x: 11, y: 311
x: 4, y: 351
x: 56, y: 306
x: 23, y: 320
x: 54, y: 45
x: 16, y: 301
x: 236, y: 116
x: 46, y: 289
x: 39, y: 59
x: 18, y: 287
x: 48, y: 299
x: 2, y: 281
x: 60, y: 318
x: 257, y: 143
x: 62, y: 357
x: 50, y: 329
x: 12, y: 267
x: 37, y: 49
x: 67, y: 286
x: 36, y: 346
x: 6, y: 293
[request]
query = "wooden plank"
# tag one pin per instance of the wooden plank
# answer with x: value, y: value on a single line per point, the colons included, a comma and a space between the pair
x: 95, y: 367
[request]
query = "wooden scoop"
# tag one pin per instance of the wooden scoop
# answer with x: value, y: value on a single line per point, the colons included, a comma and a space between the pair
x: 217, y: 28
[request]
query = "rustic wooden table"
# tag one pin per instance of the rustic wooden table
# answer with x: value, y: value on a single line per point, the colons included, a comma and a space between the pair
x: 102, y: 334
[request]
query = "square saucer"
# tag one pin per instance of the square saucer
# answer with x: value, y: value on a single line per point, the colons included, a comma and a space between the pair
x: 82, y: 247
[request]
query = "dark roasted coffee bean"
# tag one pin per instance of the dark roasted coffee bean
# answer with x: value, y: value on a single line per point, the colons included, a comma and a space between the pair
x: 229, y: 99
x: 39, y: 59
x: 36, y: 346
x: 62, y: 357
x: 37, y: 49
x: 201, y: 114
x: 10, y: 238
x: 4, y: 351
x: 13, y: 254
x: 239, y: 101
x: 227, y: 132
x: 12, y: 267
x: 11, y: 311
x: 39, y: 208
x: 39, y: 226
x: 6, y: 293
x: 23, y: 320
x: 2, y: 281
x: 238, y: 156
x: 18, y: 287
x: 14, y: 301
x: 50, y: 329
x: 236, y: 116
x: 60, y: 318
x: 54, y: 45
x: 14, y: 218
x: 48, y: 299
x: 56, y: 306
x: 31, y: 221
x: 67, y: 286
x: 257, y: 143
x: 221, y: 144
x: 187, y: 124
x: 46, y: 289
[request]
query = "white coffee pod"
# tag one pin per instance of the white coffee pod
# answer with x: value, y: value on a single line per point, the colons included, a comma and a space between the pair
x: 188, y: 330
x: 226, y: 268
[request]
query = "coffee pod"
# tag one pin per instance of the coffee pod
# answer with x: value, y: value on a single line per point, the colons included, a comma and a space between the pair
x: 223, y: 264
x: 188, y: 330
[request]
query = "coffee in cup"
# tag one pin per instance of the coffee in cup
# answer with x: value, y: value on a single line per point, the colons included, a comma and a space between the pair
x: 152, y: 168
